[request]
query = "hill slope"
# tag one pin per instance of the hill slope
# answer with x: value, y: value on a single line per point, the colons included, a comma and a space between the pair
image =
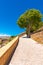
x: 38, y: 36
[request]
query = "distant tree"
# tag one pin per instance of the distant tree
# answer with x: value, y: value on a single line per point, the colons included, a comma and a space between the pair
x: 12, y: 36
x: 30, y: 20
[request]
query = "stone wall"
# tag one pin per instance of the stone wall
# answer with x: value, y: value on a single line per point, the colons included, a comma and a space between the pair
x: 7, y: 50
x: 22, y: 34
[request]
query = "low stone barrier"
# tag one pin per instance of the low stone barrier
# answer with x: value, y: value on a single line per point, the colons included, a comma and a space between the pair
x: 22, y: 34
x: 7, y: 50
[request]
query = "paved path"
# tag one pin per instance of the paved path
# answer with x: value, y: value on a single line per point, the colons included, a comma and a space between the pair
x: 28, y: 52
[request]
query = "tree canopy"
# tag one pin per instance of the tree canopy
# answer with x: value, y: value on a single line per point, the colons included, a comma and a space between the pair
x: 30, y: 20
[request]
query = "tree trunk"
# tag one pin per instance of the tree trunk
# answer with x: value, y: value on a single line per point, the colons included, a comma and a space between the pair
x: 28, y: 31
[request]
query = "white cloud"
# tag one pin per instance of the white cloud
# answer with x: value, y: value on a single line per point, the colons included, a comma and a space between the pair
x: 4, y: 34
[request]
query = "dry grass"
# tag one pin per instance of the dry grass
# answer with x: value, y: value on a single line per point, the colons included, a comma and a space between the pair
x: 38, y: 37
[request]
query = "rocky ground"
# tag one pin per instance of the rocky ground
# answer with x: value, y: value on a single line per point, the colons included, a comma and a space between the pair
x: 38, y: 37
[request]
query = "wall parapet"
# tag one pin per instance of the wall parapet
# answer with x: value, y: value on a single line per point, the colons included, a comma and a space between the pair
x: 7, y: 50
x: 22, y: 34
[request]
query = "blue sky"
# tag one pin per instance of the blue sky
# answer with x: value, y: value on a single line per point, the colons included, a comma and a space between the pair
x: 10, y: 10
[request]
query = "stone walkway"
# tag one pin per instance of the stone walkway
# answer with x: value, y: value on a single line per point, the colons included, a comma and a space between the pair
x: 28, y: 52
